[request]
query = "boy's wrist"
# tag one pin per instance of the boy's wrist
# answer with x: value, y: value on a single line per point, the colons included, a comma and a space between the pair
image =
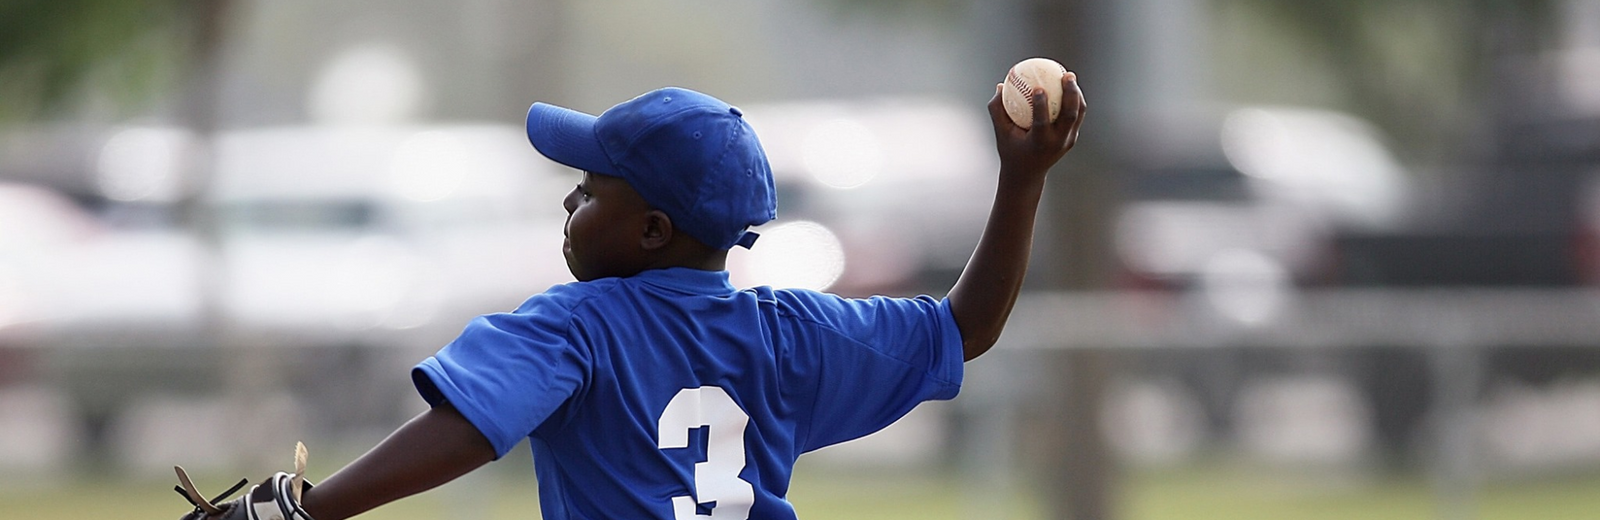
x: 1015, y: 177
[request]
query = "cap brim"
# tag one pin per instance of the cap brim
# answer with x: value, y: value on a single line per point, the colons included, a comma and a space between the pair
x: 567, y: 136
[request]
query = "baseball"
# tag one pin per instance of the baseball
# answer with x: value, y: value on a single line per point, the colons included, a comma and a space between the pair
x: 1021, y: 82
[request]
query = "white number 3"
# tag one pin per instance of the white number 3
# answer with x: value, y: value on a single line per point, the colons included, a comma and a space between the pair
x: 716, y: 479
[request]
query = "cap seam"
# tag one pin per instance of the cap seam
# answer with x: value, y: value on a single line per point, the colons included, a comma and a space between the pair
x: 594, y: 133
x: 720, y: 164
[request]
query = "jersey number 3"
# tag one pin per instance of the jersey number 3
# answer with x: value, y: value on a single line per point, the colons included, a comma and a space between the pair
x: 717, y: 479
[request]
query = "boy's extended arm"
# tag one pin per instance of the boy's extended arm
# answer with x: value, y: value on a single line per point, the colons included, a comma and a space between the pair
x: 987, y: 289
x: 431, y: 449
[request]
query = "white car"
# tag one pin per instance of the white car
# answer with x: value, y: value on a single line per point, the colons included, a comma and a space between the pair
x: 67, y: 277
x: 322, y: 235
x: 331, y: 232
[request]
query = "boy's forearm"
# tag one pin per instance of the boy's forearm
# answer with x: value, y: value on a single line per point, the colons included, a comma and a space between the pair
x: 984, y: 295
x: 982, y: 298
x: 431, y: 449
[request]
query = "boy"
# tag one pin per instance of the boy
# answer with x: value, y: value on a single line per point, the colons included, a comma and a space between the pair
x: 620, y: 378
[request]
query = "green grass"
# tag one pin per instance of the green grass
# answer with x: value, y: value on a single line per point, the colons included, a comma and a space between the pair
x: 1192, y: 493
x: 1239, y: 493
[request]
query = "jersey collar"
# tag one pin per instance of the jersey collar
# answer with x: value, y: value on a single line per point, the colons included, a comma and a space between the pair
x: 695, y: 281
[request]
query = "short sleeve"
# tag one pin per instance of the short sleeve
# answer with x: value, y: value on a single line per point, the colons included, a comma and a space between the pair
x: 874, y: 360
x: 506, y: 373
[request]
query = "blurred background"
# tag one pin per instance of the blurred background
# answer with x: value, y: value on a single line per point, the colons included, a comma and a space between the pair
x: 1310, y: 259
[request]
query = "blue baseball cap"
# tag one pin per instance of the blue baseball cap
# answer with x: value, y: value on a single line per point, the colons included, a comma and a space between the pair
x: 688, y: 154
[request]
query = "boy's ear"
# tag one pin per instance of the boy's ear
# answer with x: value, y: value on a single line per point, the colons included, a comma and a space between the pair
x: 657, y: 230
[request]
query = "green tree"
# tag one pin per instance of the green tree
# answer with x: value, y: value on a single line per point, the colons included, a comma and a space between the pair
x: 1420, y: 69
x: 55, y: 53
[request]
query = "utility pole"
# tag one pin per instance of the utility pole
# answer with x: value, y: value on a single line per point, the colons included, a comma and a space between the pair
x: 247, y: 376
x: 1079, y: 470
x: 197, y: 111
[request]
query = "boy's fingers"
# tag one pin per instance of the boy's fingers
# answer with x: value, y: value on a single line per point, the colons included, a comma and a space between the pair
x: 1083, y: 105
x: 1041, y: 109
x: 1072, y: 135
x: 1071, y: 102
x: 1077, y: 93
x: 997, y: 108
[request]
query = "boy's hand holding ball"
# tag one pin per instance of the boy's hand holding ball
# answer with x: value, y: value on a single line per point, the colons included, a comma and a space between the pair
x: 1036, y: 88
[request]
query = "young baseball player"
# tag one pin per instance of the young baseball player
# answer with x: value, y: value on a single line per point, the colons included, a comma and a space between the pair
x: 651, y: 388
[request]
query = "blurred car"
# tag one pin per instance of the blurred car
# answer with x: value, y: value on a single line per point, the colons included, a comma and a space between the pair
x: 328, y: 232
x: 1258, y: 204
x: 319, y: 234
x: 364, y: 246
x: 1230, y: 219
x: 66, y: 276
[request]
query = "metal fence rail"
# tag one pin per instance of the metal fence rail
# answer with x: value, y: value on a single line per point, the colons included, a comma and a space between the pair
x: 1454, y: 327
x: 1331, y: 318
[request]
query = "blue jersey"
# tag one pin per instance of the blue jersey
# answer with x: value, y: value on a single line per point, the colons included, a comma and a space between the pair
x: 672, y: 395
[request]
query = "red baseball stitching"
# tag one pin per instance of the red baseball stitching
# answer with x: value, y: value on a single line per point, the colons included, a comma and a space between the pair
x: 1022, y: 86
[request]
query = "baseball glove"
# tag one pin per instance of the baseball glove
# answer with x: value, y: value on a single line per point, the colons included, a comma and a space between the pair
x: 276, y: 498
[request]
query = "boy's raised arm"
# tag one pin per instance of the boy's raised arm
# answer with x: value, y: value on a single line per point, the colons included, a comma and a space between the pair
x: 982, y: 297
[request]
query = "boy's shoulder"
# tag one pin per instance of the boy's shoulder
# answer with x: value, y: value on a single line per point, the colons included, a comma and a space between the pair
x: 821, y: 307
x: 573, y: 295
x: 803, y: 304
x: 568, y: 296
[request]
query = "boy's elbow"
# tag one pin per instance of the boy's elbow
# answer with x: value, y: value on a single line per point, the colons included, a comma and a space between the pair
x: 972, y: 348
x: 978, y: 333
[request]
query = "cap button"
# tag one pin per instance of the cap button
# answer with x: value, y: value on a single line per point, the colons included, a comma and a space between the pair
x: 735, y: 111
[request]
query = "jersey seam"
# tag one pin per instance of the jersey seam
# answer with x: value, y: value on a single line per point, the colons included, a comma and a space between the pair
x: 584, y: 301
x: 837, y: 333
x: 868, y: 346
